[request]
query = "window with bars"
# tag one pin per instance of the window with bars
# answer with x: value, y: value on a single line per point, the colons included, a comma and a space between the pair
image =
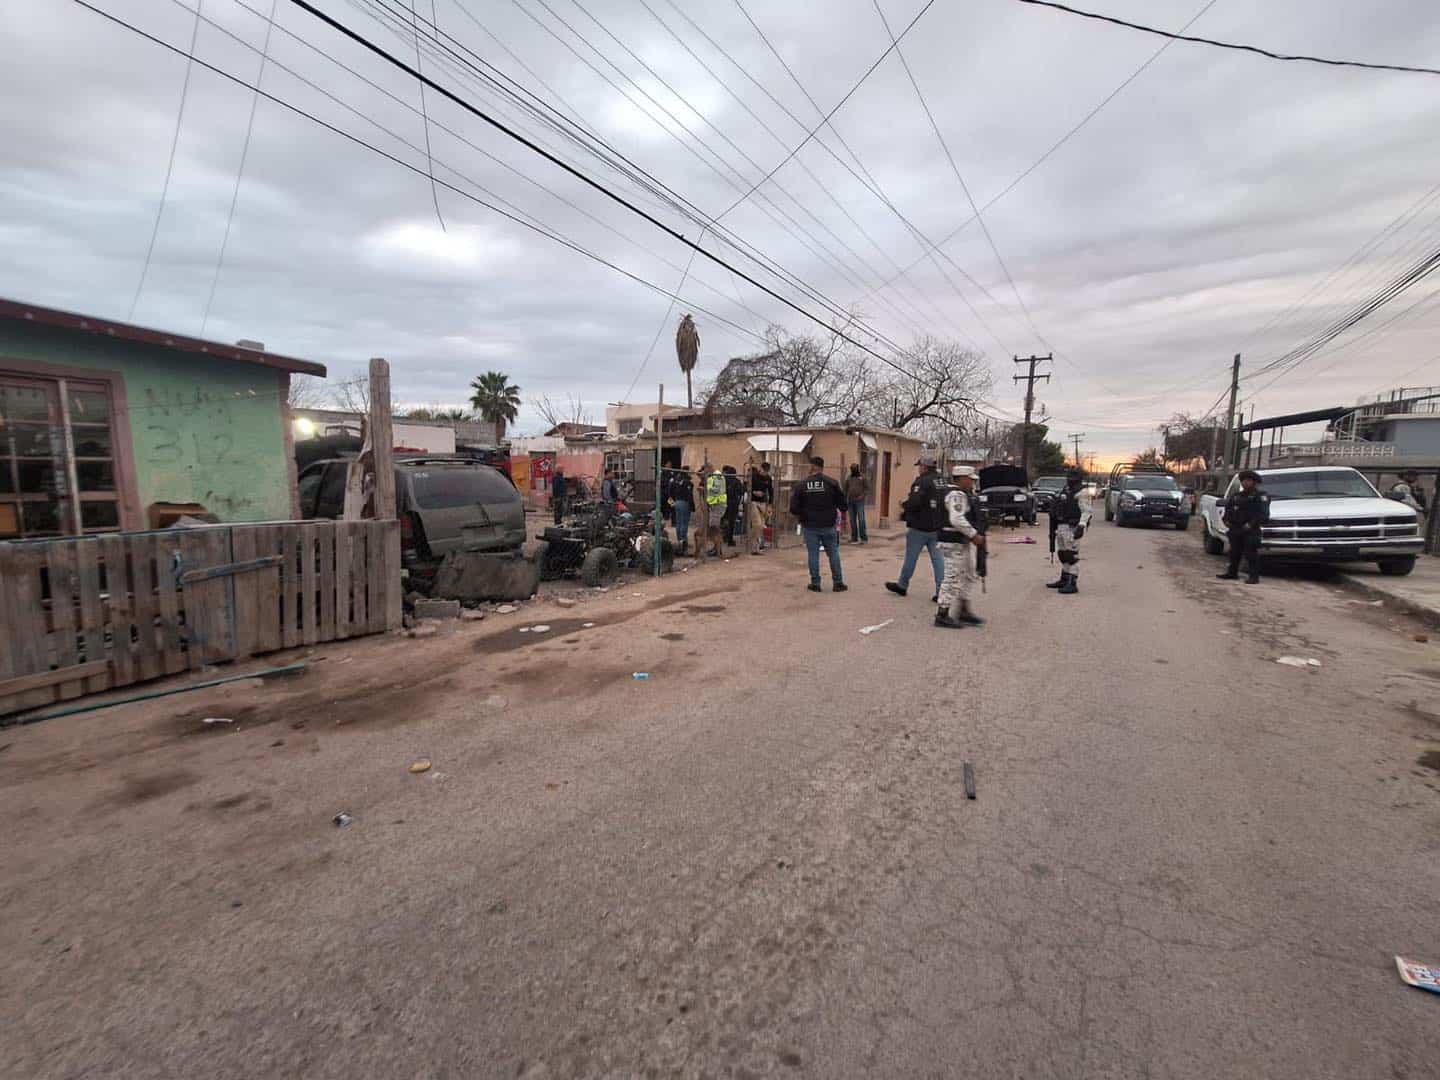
x: 58, y: 473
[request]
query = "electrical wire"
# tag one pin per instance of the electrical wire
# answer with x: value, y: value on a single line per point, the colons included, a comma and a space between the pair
x: 244, y: 155
x: 425, y: 115
x: 1229, y: 44
x: 495, y: 208
x: 457, y: 135
x: 169, y: 167
x: 693, y: 212
x: 482, y: 202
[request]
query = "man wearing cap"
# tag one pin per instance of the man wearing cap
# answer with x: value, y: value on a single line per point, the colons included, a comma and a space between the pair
x: 923, y: 512
x: 1245, y: 511
x: 960, y: 538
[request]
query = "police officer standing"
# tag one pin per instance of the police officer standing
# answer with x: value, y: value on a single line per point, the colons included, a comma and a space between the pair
x: 961, y: 538
x: 1245, y: 511
x: 1067, y: 526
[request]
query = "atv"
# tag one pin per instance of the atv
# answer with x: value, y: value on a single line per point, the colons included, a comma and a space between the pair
x: 597, y: 542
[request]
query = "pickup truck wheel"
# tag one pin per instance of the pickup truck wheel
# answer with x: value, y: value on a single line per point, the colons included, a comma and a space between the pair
x: 1182, y: 524
x: 1213, y: 544
x: 1398, y: 566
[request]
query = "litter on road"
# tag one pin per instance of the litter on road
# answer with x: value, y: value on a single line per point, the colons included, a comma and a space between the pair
x: 541, y: 629
x: 1414, y: 973
x: 586, y: 626
x: 877, y: 626
x: 641, y: 675
x: 423, y: 765
x: 1297, y: 661
x: 505, y: 609
x: 342, y: 820
x: 217, y: 720
x: 1022, y: 540
x: 969, y: 772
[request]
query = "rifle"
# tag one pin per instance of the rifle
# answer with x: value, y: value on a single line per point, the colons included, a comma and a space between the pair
x: 1052, y: 547
x: 982, y: 559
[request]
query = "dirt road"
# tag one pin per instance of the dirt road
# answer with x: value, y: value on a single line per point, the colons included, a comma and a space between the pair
x: 1185, y: 860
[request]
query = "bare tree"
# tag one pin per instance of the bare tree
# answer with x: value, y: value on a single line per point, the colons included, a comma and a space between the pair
x: 570, y: 411
x: 352, y: 394
x: 306, y: 392
x: 435, y: 412
x: 940, y: 395
x: 797, y: 381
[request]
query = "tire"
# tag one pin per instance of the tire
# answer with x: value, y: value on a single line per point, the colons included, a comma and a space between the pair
x: 1109, y: 514
x: 1182, y: 524
x: 1213, y: 544
x: 645, y: 556
x: 1397, y: 566
x: 600, y: 567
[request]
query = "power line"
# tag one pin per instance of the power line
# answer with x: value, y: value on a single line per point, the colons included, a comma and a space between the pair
x: 244, y: 154
x: 928, y: 248
x: 455, y: 134
x: 1068, y: 135
x: 425, y: 114
x: 894, y: 43
x: 516, y: 217
x: 1231, y: 45
x: 681, y: 204
x: 868, y: 181
x: 169, y: 167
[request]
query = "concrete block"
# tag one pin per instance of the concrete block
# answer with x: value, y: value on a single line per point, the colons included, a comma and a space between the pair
x: 437, y: 609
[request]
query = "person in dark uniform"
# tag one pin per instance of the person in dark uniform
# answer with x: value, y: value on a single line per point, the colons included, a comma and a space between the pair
x: 817, y: 501
x: 1245, y: 511
x: 734, y: 496
x: 1067, y: 526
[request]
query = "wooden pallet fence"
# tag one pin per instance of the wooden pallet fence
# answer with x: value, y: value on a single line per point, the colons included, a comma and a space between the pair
x: 92, y: 613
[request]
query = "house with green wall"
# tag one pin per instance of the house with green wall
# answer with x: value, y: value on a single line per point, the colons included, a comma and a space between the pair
x: 106, y: 426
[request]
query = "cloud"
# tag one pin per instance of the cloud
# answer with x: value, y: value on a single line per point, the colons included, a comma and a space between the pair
x: 1198, y: 206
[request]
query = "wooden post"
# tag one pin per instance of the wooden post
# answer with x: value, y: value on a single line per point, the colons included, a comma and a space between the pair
x: 659, y: 478
x: 382, y: 439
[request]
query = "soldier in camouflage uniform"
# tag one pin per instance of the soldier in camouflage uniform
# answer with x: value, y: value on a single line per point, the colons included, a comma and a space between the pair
x: 961, y: 537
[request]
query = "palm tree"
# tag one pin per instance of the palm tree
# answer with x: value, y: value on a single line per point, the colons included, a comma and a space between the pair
x: 496, y: 399
x: 687, y: 350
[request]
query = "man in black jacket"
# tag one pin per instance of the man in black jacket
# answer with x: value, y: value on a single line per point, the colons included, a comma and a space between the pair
x: 1245, y: 511
x: 817, y: 501
x: 734, y: 497
x: 923, y: 511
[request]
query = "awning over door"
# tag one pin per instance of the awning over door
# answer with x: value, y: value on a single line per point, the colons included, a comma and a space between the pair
x: 789, y: 444
x: 868, y: 441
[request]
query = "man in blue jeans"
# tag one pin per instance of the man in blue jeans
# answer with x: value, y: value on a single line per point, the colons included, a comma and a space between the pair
x: 923, y: 511
x: 817, y: 501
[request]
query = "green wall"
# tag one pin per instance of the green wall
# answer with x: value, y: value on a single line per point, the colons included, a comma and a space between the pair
x: 205, y: 430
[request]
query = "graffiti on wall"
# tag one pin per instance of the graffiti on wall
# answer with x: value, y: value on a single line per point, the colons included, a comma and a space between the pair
x: 198, y: 450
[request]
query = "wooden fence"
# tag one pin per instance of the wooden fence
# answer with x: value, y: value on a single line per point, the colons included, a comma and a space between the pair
x: 91, y: 613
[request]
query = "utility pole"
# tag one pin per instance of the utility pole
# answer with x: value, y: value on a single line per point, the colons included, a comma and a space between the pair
x: 1077, y: 437
x: 1231, y: 434
x: 1029, y: 380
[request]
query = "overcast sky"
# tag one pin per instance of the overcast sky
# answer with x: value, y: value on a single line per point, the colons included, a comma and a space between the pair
x: 1209, y: 196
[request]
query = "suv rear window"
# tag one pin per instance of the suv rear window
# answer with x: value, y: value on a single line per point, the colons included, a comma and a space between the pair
x: 1150, y: 482
x: 442, y: 487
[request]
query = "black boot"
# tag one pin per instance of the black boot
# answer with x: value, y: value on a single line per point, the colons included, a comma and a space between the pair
x: 1070, y: 588
x: 1253, y: 579
x: 1229, y: 575
x: 942, y: 618
x: 968, y: 617
x: 1058, y: 583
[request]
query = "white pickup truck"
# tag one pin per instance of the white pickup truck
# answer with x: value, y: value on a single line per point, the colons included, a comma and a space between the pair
x: 1325, y: 514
